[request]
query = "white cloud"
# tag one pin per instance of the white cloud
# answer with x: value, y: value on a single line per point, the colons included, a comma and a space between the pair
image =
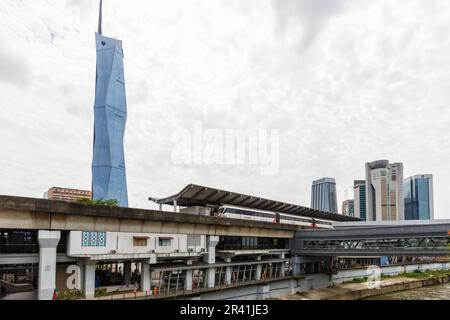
x: 344, y: 82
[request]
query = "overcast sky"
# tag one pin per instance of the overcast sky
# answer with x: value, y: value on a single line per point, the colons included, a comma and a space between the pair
x: 343, y: 82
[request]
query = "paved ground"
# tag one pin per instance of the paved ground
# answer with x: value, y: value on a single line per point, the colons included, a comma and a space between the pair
x: 339, y: 290
x: 32, y: 295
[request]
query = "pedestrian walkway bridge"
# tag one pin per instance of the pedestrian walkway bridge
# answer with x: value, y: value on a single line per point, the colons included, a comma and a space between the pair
x: 418, y: 238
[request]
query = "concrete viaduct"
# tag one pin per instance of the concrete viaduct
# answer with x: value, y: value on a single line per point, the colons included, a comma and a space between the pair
x: 41, y: 214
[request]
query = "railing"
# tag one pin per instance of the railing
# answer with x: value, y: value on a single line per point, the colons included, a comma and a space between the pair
x: 243, y: 247
x: 182, y: 292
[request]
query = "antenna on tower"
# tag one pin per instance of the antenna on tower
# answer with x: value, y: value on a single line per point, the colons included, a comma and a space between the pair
x: 100, y: 18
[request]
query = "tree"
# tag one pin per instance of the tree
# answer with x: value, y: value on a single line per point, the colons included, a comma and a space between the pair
x: 98, y: 202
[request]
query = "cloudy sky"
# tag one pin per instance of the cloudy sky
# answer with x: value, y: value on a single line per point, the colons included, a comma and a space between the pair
x: 342, y: 82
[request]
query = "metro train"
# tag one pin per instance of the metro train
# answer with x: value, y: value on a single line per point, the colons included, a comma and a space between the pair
x: 234, y: 212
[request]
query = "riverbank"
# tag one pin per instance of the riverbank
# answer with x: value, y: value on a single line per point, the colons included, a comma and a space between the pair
x: 358, y: 288
x: 438, y: 292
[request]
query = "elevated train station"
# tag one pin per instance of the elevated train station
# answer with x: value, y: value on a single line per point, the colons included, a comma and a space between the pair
x: 212, y: 240
x: 120, y: 249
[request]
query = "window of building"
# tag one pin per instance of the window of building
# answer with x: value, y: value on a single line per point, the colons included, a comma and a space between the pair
x: 93, y: 239
x: 140, y: 241
x: 165, y: 241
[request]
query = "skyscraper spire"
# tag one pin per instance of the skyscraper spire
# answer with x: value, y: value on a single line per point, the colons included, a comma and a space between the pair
x: 100, y: 18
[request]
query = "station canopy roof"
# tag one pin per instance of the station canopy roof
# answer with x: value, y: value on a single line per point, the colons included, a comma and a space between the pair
x: 195, y: 195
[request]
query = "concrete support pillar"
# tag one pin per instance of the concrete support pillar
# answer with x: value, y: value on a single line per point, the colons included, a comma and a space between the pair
x: 258, y: 272
x: 211, y: 242
x: 175, y: 206
x: 146, y: 277
x: 283, y: 269
x: 210, y: 258
x: 48, y: 241
x: 263, y: 292
x: 188, y: 280
x: 296, y: 261
x: 127, y: 272
x: 282, y: 255
x: 211, y: 277
x: 228, y: 272
x: 89, y: 279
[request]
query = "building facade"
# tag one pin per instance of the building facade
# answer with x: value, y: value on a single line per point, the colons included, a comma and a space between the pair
x: 66, y: 194
x: 359, y: 190
x: 384, y: 191
x: 348, y: 208
x: 419, y: 203
x: 323, y: 195
x: 110, y: 114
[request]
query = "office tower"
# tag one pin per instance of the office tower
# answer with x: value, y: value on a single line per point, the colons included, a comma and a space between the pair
x: 66, y: 194
x: 323, y: 195
x: 348, y: 208
x: 419, y: 197
x: 110, y: 114
x: 384, y: 191
x: 359, y: 190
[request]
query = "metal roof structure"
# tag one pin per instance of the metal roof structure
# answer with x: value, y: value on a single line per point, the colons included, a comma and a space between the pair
x: 195, y: 195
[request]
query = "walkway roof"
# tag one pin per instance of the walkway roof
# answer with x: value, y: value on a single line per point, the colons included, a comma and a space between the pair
x: 195, y: 195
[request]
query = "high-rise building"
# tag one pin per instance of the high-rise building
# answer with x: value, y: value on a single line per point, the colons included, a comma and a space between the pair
x: 110, y: 114
x: 66, y: 194
x: 384, y: 191
x: 323, y: 195
x: 419, y: 197
x: 359, y: 189
x: 348, y: 208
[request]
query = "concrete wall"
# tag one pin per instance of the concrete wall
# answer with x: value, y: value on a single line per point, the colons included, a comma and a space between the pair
x: 348, y: 275
x: 272, y: 290
x: 310, y: 282
x: 122, y: 243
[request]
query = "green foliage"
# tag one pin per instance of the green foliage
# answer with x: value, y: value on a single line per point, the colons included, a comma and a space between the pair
x: 426, y: 274
x: 98, y: 202
x: 69, y: 295
x: 101, y: 292
x: 358, y: 280
x: 416, y: 274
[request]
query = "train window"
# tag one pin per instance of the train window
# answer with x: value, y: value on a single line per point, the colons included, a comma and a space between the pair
x: 165, y: 242
x: 140, y: 241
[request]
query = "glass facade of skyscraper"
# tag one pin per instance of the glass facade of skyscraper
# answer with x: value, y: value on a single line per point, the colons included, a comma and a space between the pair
x: 323, y: 195
x: 110, y: 115
x: 359, y: 187
x: 362, y: 201
x: 418, y: 198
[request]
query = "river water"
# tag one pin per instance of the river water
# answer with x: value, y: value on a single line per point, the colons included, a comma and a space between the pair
x: 440, y: 292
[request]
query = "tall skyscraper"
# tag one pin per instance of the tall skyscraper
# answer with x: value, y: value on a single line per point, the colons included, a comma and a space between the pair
x: 110, y: 114
x: 384, y: 191
x: 348, y: 208
x: 419, y: 197
x: 359, y: 189
x: 323, y: 195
